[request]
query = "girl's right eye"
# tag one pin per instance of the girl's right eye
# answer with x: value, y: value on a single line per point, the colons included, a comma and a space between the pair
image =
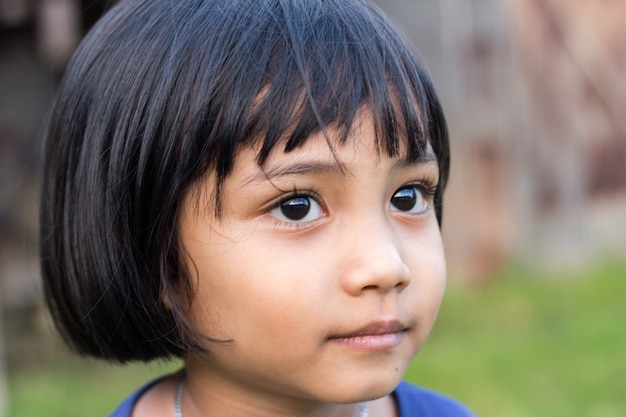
x: 297, y: 209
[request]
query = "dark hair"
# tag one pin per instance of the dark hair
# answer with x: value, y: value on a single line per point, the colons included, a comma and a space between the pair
x: 161, y: 92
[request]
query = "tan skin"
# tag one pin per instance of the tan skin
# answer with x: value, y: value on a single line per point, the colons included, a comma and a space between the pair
x: 325, y: 269
x: 159, y: 402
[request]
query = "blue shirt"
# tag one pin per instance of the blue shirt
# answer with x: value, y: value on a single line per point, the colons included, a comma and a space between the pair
x: 412, y: 401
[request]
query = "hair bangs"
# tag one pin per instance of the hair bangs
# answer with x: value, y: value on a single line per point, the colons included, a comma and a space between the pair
x: 322, y: 74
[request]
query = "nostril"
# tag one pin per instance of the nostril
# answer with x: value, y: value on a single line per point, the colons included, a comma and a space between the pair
x: 402, y: 285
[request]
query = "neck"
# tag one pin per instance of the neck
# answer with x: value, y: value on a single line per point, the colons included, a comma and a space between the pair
x: 193, y: 400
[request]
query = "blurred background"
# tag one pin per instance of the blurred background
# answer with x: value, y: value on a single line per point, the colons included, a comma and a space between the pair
x: 534, y: 322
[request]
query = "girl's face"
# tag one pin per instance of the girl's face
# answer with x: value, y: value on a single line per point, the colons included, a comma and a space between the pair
x: 325, y: 271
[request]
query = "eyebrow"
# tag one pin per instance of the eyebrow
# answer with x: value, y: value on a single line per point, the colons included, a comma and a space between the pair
x: 315, y: 167
x: 296, y: 168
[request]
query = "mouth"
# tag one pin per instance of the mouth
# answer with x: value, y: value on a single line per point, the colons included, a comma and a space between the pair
x: 380, y: 335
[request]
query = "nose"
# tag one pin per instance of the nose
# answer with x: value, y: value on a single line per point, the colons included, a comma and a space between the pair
x: 373, y: 260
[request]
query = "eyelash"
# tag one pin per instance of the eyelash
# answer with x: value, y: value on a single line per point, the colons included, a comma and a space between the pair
x: 427, y: 186
x: 296, y: 193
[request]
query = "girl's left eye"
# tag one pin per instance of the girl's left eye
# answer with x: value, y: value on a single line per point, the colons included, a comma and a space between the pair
x: 297, y: 209
x: 409, y: 199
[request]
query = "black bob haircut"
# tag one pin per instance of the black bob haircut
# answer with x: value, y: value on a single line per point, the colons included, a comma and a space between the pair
x: 162, y: 92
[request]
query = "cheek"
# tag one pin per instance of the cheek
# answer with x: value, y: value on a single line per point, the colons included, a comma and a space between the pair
x: 424, y: 295
x: 249, y: 288
x: 428, y: 270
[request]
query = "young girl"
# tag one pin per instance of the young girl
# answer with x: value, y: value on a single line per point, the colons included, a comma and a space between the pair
x: 254, y: 186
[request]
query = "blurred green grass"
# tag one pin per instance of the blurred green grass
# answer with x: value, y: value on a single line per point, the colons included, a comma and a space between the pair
x: 527, y: 344
x: 533, y: 344
x: 77, y: 388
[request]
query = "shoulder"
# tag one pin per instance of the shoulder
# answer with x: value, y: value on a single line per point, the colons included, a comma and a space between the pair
x: 415, y: 401
x: 127, y: 407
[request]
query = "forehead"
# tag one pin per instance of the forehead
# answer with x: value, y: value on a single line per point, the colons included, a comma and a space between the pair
x: 393, y: 126
x: 329, y: 150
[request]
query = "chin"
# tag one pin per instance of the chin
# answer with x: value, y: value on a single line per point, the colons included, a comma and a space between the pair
x: 368, y: 388
x: 382, y: 387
